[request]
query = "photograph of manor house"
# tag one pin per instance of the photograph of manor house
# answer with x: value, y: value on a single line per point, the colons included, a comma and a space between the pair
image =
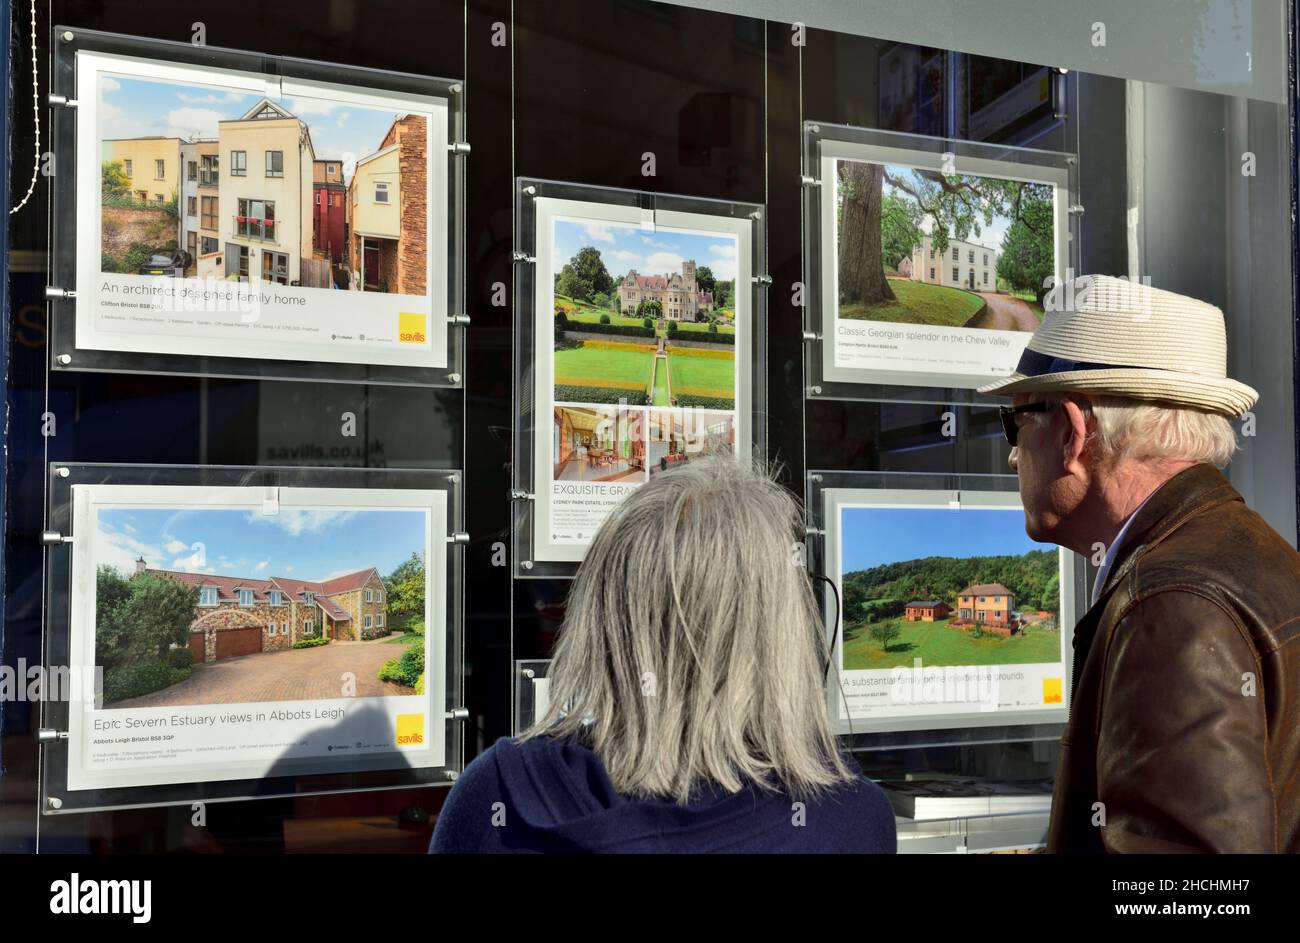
x: 201, y: 182
x: 917, y: 246
x: 644, y: 318
x: 221, y: 606
x: 953, y: 587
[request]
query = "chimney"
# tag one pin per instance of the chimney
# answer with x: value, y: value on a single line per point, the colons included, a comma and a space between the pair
x: 139, y: 565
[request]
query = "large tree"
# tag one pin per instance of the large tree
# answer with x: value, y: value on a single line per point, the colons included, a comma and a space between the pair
x: 113, y: 179
x: 1028, y: 261
x: 704, y: 278
x: 900, y: 228
x: 404, y: 591
x: 862, y: 273
x: 140, y: 619
x: 584, y: 276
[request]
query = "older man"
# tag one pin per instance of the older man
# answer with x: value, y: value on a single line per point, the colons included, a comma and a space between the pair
x: 1184, y: 731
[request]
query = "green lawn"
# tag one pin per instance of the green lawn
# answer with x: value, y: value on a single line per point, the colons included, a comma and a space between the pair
x: 702, y: 327
x: 917, y: 303
x: 405, y: 638
x: 939, y: 646
x: 579, y: 366
x: 659, y: 396
x: 706, y: 376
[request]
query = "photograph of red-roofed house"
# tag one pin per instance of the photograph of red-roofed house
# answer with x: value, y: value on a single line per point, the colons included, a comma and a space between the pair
x: 220, y: 606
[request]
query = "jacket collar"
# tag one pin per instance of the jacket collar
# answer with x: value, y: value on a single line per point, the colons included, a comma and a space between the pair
x: 1187, y: 493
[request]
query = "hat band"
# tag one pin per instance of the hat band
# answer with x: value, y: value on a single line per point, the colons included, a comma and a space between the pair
x: 1035, y: 364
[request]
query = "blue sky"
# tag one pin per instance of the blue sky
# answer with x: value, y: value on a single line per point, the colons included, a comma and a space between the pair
x: 651, y: 253
x: 872, y: 536
x: 303, y: 544
x: 990, y: 235
x: 130, y: 108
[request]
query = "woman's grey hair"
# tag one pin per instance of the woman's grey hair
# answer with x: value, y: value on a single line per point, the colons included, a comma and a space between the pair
x: 692, y: 651
x: 1128, y: 429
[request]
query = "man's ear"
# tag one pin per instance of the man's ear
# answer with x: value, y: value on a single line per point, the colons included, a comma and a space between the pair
x: 1074, y: 435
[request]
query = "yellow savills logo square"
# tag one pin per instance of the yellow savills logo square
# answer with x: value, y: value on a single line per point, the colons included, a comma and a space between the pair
x: 410, y: 730
x: 1051, y: 690
x: 411, y: 327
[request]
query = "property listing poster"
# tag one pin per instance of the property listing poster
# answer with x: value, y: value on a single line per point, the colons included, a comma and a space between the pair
x: 229, y: 214
x: 640, y: 333
x: 949, y: 613
x: 932, y: 276
x: 246, y: 633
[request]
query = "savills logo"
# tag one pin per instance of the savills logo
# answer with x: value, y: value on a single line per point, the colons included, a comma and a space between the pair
x: 410, y: 327
x: 410, y: 730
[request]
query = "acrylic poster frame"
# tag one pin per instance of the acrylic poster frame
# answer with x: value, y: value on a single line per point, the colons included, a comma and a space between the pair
x: 75, y: 203
x: 538, y: 204
x: 827, y: 493
x: 63, y: 642
x: 532, y: 692
x: 823, y: 144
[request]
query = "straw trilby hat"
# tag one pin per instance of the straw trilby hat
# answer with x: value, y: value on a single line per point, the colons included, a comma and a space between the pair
x: 1113, y: 336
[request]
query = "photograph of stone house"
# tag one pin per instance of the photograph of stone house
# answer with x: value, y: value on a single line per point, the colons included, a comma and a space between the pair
x: 678, y: 294
x: 239, y: 615
x: 210, y: 605
x: 387, y: 207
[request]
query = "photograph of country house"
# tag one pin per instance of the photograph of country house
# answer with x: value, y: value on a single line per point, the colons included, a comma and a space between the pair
x: 198, y: 181
x: 953, y: 587
x: 599, y: 444
x: 212, y: 627
x: 644, y: 318
x: 924, y: 247
x: 681, y: 435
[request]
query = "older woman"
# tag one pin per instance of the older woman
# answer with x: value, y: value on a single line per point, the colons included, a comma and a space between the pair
x: 687, y: 704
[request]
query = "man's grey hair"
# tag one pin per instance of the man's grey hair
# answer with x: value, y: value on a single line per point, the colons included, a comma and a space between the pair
x: 1126, y: 429
x: 692, y: 652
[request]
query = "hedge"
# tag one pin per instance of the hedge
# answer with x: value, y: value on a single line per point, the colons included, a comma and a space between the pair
x: 180, y: 657
x: 706, y: 337
x: 312, y: 642
x: 139, y: 679
x: 407, y: 669
x: 595, y: 394
x: 705, y: 402
x: 627, y: 330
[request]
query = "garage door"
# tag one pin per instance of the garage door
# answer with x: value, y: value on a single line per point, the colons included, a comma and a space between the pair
x: 234, y: 642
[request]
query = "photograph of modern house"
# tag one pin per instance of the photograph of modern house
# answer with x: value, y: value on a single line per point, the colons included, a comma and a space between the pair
x: 330, y: 210
x: 598, y: 444
x: 239, y: 185
x: 387, y: 211
x: 678, y: 293
x: 265, y: 194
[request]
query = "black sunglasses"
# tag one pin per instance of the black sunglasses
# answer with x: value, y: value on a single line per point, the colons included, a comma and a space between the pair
x: 1010, y: 428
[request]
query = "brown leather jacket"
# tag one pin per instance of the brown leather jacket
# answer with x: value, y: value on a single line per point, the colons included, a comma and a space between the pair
x: 1185, y: 714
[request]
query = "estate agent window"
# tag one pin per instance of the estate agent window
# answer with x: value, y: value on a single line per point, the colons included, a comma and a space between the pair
x: 275, y: 163
x: 238, y: 163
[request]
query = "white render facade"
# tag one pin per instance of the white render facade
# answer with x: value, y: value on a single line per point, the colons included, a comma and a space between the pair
x: 967, y: 265
x: 265, y: 194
